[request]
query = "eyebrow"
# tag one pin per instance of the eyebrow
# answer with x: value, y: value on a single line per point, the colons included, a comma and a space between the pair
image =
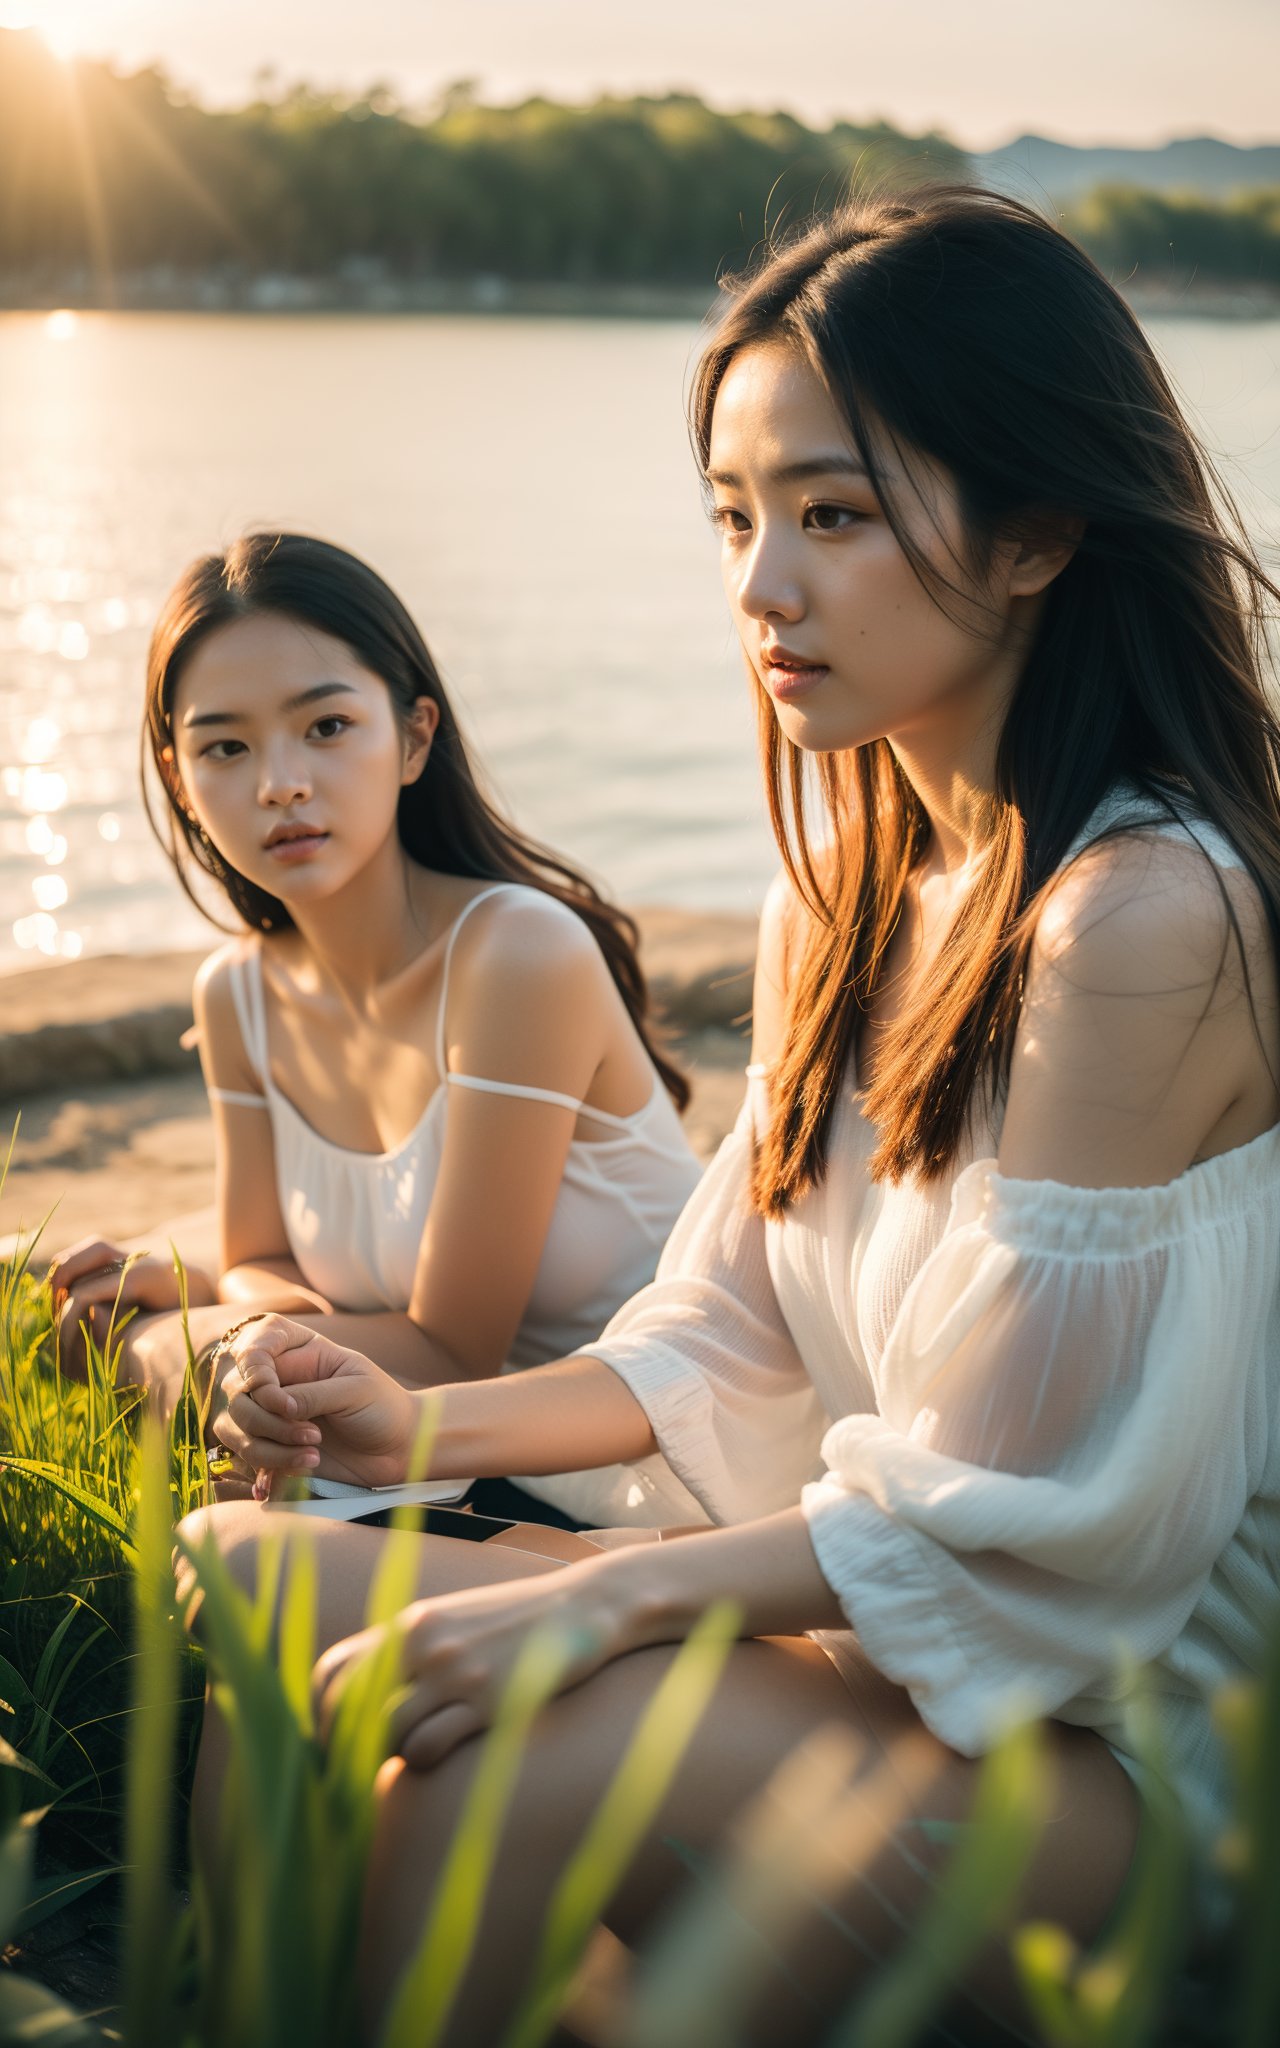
x: 834, y: 464
x: 311, y: 696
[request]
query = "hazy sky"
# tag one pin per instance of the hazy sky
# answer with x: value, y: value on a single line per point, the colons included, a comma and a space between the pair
x: 1091, y: 71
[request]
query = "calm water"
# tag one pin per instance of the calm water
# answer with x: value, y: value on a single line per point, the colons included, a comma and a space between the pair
x: 526, y: 485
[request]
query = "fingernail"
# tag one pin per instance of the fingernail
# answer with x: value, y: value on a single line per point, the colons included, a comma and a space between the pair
x: 311, y: 1457
x: 290, y: 1405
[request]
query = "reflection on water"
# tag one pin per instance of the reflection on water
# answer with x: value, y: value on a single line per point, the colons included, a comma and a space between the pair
x: 528, y: 488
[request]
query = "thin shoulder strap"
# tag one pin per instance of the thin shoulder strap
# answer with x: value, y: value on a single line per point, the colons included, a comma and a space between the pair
x: 442, y: 1053
x: 251, y: 1010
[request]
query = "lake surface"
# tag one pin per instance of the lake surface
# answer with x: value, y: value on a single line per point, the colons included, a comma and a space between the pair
x: 527, y: 487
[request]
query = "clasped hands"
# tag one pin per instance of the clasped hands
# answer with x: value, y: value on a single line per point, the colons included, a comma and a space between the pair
x: 298, y: 1403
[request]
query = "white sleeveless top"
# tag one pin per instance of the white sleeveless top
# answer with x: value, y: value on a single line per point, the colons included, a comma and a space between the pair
x: 1034, y: 1428
x: 355, y: 1220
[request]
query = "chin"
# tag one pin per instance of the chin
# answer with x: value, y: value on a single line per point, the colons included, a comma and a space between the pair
x: 814, y: 734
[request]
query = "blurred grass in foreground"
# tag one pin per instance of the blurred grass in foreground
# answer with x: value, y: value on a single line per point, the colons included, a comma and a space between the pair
x: 100, y: 1687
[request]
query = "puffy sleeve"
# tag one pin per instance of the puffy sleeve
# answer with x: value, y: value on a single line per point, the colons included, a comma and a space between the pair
x: 706, y: 1351
x: 1072, y: 1417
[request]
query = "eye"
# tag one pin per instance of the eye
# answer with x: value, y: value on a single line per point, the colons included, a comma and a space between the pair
x: 213, y: 752
x: 827, y: 518
x: 334, y: 722
x: 728, y: 520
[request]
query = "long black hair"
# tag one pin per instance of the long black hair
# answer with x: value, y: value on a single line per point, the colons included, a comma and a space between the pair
x: 971, y: 329
x: 445, y: 820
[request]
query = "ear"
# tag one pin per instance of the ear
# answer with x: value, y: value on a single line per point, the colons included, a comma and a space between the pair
x: 1041, y: 549
x: 171, y: 776
x: 420, y: 731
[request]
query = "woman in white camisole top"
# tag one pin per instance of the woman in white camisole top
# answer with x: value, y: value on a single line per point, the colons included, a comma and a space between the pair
x: 969, y: 1339
x: 442, y: 1126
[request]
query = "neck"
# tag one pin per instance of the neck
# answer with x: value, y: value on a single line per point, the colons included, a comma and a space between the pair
x: 950, y: 758
x: 368, y: 932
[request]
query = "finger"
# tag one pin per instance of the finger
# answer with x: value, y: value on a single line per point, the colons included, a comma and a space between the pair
x: 331, y: 1673
x: 258, y: 1455
x: 311, y: 1399
x: 259, y: 1423
x: 438, y: 1731
x: 90, y: 1255
x: 100, y: 1290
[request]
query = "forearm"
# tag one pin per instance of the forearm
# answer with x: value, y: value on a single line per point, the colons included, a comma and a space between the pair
x: 269, y: 1284
x: 655, y: 1592
x: 392, y: 1341
x: 569, y: 1416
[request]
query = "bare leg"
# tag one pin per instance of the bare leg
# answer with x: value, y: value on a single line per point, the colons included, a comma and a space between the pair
x: 772, y: 1695
x: 347, y: 1556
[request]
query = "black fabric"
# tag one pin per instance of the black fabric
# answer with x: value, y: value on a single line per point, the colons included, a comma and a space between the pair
x: 508, y: 1503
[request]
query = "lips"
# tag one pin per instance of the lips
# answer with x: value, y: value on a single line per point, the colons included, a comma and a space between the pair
x: 789, y: 675
x: 289, y: 835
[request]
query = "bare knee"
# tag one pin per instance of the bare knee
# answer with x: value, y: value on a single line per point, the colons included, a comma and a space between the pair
x: 235, y: 1529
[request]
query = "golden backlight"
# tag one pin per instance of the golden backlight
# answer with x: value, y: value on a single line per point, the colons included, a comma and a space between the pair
x: 68, y: 28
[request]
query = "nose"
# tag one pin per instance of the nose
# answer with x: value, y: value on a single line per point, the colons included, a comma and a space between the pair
x: 285, y: 777
x: 767, y: 584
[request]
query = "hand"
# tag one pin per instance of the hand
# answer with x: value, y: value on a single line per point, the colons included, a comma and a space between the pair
x: 299, y: 1403
x: 94, y: 1280
x: 457, y: 1653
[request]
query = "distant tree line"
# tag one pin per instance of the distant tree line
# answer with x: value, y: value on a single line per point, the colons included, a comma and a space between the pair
x: 1180, y: 237
x: 97, y: 167
x: 112, y: 175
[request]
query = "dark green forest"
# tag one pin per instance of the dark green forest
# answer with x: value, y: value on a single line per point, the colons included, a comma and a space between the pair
x: 108, y: 181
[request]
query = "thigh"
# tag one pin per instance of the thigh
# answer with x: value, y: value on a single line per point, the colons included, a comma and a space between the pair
x: 347, y: 1557
x: 869, y: 1854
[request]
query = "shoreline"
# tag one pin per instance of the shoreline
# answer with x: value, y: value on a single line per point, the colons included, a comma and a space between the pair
x: 275, y: 293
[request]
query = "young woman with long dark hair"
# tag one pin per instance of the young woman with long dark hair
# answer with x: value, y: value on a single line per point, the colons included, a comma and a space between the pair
x: 970, y: 1336
x: 443, y: 1125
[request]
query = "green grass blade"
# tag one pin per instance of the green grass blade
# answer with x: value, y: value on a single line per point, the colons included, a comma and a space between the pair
x: 973, y: 1898
x: 623, y: 1816
x: 41, y: 1471
x: 150, y: 1913
x: 430, y: 1984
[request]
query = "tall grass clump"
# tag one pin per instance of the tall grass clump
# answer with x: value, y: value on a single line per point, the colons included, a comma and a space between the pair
x: 69, y: 1498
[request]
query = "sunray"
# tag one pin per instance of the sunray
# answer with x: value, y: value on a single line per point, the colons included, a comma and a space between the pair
x: 163, y: 152
x: 94, y: 210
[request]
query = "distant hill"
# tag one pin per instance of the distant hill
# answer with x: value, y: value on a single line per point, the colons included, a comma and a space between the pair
x: 1033, y: 166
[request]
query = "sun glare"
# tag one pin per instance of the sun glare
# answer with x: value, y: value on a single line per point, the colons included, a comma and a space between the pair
x: 62, y: 325
x: 64, y: 26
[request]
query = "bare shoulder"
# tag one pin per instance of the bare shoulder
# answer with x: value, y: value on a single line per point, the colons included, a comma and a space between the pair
x: 214, y: 1008
x: 1150, y: 916
x: 528, y: 975
x: 523, y: 940
x: 1148, y: 1032
x: 212, y: 996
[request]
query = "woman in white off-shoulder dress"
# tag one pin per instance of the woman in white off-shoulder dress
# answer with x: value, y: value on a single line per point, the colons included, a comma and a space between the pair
x: 970, y: 1337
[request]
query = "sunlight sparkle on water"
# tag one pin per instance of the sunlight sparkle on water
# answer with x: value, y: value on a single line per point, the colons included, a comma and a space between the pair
x: 40, y: 789
x: 39, y: 835
x: 40, y: 742
x: 50, y: 891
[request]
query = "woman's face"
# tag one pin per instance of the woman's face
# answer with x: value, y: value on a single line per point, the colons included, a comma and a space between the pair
x: 290, y: 754
x: 834, y: 622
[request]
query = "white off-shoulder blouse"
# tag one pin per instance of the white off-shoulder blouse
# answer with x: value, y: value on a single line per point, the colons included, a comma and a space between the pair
x: 1035, y: 1429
